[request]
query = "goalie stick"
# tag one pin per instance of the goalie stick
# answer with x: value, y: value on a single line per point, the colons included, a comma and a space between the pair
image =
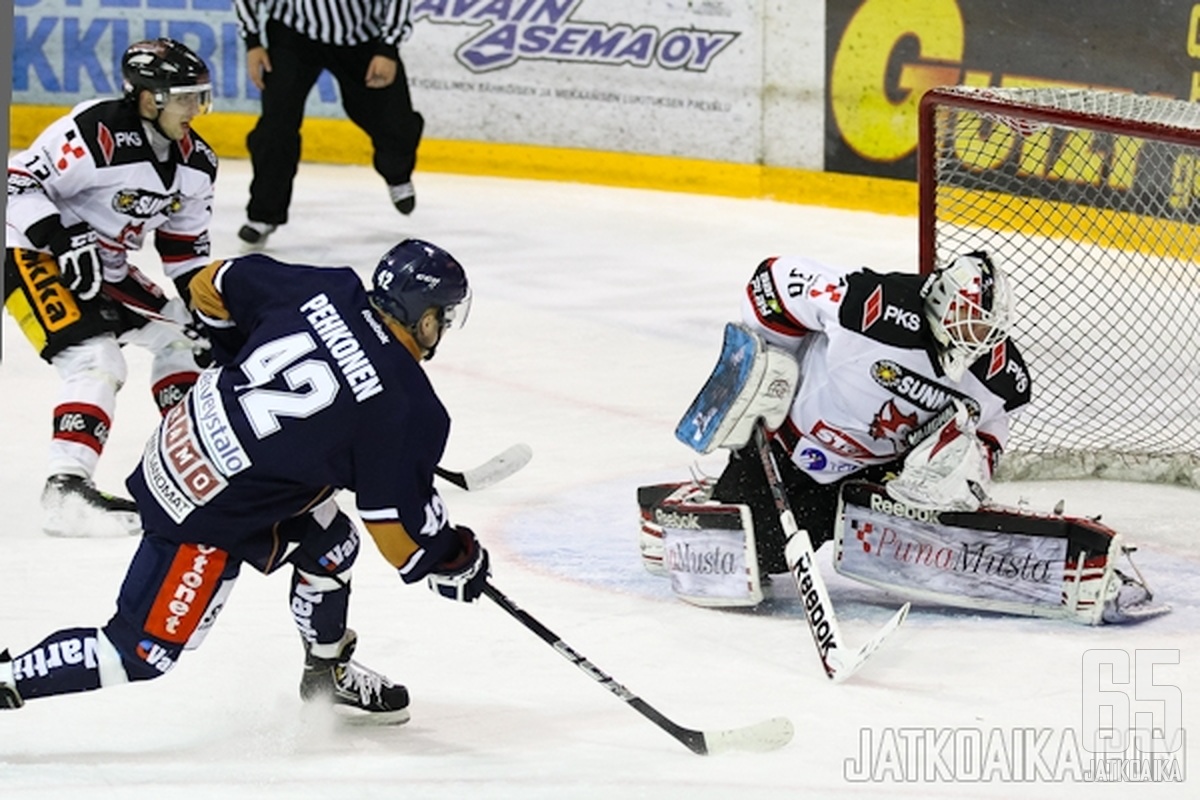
x: 838, y: 662
x: 767, y: 735
x: 494, y: 470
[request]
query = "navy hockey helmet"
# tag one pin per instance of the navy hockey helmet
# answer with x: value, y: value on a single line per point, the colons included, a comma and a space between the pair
x: 166, y: 68
x: 969, y: 308
x: 415, y: 276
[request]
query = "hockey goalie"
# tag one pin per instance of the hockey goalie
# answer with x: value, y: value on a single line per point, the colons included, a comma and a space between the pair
x: 887, y: 399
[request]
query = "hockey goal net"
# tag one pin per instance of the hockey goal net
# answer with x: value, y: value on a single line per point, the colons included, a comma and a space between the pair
x: 1090, y: 200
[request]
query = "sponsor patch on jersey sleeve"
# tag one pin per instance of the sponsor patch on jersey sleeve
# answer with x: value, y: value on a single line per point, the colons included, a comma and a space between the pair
x: 767, y: 304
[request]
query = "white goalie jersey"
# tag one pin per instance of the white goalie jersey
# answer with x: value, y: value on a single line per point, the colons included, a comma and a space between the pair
x: 869, y: 378
x: 97, y: 165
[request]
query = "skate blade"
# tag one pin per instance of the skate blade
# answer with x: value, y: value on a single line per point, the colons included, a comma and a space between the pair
x: 357, y: 717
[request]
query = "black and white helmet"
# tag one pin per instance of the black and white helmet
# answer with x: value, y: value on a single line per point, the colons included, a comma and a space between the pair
x: 969, y: 308
x: 166, y: 68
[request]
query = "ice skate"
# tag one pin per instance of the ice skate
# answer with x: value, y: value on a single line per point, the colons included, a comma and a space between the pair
x: 404, y: 197
x: 73, y: 507
x: 356, y: 692
x: 1130, y: 598
x: 254, y: 234
x: 9, y: 696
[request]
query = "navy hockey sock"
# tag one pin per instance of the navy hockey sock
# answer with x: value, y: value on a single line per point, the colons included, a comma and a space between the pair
x: 64, y: 662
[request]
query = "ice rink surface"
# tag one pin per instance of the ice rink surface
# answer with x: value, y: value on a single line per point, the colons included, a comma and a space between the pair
x: 598, y: 314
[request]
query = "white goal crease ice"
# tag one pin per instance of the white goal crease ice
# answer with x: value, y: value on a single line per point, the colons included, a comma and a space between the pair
x: 1090, y: 200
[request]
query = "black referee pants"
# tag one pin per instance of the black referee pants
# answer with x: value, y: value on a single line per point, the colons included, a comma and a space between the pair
x: 386, y: 115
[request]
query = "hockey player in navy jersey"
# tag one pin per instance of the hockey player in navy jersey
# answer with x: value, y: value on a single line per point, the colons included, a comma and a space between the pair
x: 319, y: 388
x: 87, y: 193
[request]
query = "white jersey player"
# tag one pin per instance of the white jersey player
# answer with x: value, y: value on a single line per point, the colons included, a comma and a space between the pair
x: 95, y: 186
x: 883, y: 362
x: 888, y: 399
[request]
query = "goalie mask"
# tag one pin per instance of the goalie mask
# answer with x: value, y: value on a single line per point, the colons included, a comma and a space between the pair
x: 969, y: 308
x: 415, y: 276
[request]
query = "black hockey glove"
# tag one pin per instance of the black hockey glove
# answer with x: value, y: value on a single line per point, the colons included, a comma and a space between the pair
x: 462, y: 577
x: 78, y: 259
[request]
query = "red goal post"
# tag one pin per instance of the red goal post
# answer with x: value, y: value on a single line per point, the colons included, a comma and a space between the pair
x: 1090, y: 201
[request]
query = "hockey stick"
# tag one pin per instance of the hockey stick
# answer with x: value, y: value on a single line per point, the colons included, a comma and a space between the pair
x: 764, y: 736
x: 818, y: 607
x: 494, y: 470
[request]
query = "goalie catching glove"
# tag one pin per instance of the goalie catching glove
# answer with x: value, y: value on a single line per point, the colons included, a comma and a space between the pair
x: 463, y: 576
x: 947, y: 469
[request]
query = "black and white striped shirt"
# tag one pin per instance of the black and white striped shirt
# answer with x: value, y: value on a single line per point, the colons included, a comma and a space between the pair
x: 340, y: 22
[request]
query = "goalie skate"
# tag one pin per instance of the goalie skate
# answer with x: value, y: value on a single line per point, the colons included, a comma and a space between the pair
x: 73, y: 507
x: 1129, y: 598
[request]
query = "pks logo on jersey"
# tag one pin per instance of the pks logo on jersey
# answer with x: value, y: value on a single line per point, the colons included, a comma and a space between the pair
x: 998, y: 360
x: 110, y: 142
x: 143, y: 204
x: 917, y: 389
x: 546, y: 30
x: 875, y: 309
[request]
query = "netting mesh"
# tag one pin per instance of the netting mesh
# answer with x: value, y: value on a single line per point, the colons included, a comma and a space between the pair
x: 1090, y: 200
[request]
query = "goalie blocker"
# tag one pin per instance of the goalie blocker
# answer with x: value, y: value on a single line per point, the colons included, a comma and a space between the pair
x: 995, y: 559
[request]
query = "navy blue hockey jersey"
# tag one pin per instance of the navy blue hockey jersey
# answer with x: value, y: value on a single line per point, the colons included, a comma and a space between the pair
x: 320, y: 396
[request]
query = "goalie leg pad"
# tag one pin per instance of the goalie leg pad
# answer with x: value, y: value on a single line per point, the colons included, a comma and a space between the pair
x: 706, y: 548
x: 655, y: 504
x: 997, y: 559
x: 751, y: 380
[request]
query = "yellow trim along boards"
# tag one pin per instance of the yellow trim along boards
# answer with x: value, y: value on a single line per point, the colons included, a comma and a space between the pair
x: 337, y: 141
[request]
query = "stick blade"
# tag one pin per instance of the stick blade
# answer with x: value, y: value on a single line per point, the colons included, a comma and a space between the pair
x: 498, y: 468
x: 840, y: 670
x: 763, y: 737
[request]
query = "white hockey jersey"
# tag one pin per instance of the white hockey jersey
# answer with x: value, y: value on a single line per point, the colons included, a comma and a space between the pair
x: 97, y: 165
x: 868, y: 374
